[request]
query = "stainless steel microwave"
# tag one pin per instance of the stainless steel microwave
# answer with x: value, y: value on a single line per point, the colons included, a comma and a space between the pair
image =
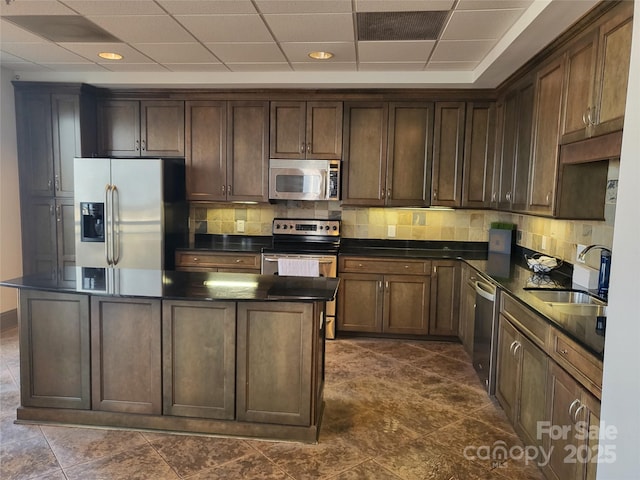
x: 304, y: 179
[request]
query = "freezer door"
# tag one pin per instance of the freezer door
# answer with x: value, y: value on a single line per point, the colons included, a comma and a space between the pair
x: 138, y: 213
x: 91, y: 178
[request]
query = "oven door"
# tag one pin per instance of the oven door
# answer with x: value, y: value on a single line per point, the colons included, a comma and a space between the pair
x: 327, y: 267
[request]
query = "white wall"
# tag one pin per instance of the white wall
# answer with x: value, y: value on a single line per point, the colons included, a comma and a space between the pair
x: 10, y: 247
x: 621, y: 382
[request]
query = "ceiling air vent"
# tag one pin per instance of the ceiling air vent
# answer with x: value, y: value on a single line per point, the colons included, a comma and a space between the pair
x: 389, y: 26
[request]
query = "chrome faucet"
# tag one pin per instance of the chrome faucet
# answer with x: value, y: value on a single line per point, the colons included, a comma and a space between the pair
x: 582, y: 254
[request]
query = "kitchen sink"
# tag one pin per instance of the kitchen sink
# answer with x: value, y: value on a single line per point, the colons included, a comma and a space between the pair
x: 572, y: 302
x: 567, y: 296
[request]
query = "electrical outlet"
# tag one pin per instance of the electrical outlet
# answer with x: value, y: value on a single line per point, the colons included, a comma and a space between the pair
x: 391, y: 230
x: 545, y: 241
x: 579, y: 249
x: 240, y: 226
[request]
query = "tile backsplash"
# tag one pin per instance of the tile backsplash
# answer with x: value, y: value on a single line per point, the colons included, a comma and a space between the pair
x: 553, y: 237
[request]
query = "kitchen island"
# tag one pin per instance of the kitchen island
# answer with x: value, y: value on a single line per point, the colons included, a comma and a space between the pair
x: 212, y: 353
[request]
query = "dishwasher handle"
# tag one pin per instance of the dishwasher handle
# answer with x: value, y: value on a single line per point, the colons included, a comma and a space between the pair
x: 486, y: 291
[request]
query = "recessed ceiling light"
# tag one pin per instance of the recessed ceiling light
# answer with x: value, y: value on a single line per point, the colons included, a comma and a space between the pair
x: 110, y: 56
x: 321, y: 55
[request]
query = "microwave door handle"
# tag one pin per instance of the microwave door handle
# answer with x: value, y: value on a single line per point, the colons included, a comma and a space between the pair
x: 327, y: 185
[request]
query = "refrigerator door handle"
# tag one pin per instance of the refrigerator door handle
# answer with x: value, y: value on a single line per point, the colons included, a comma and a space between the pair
x: 108, y: 224
x: 115, y: 201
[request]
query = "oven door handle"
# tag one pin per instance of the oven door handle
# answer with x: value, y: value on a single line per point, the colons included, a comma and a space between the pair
x: 322, y: 262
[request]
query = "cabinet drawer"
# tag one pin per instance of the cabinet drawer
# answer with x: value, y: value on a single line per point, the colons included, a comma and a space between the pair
x: 534, y: 327
x: 385, y: 265
x: 577, y: 361
x: 214, y: 260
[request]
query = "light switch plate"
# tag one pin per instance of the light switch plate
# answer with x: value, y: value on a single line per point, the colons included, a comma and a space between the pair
x: 240, y: 226
x: 391, y: 230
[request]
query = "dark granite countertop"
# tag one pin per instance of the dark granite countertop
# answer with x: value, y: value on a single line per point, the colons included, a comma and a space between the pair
x: 413, y: 248
x: 230, y: 243
x: 176, y: 285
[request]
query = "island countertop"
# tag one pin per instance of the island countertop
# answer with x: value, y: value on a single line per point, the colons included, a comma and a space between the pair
x: 179, y: 285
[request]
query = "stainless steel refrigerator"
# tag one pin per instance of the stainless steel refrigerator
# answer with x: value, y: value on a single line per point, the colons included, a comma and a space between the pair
x: 129, y: 212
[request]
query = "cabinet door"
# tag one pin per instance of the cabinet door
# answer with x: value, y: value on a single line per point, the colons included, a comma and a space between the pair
x: 67, y: 142
x: 406, y: 304
x: 324, y: 130
x: 409, y: 155
x: 162, y: 128
x: 507, y: 150
x: 445, y: 279
x: 612, y: 77
x: 126, y: 355
x: 65, y: 239
x: 275, y: 352
x: 507, y: 368
x: 522, y: 161
x: 544, y: 161
x: 248, y: 151
x: 119, y: 128
x: 360, y: 299
x: 35, y: 148
x: 532, y: 391
x: 199, y: 359
x: 365, y: 153
x: 287, y: 130
x: 39, y: 237
x: 54, y: 350
x: 564, y: 400
x: 206, y: 150
x: 579, y: 88
x: 448, y: 145
x: 478, y: 154
x: 467, y: 309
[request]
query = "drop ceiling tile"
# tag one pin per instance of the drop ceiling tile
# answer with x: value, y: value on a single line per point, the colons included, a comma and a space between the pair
x: 299, y: 52
x: 10, y: 32
x: 176, y: 52
x: 483, y: 24
x: 196, y: 67
x: 247, y: 52
x: 226, y: 28
x: 143, y: 28
x: 90, y: 51
x: 304, y: 6
x: 121, y: 7
x: 402, y: 5
x: 492, y: 4
x: 135, y: 67
x: 451, y: 66
x: 390, y: 66
x: 462, y: 50
x: 325, y: 67
x: 204, y: 7
x: 259, y: 67
x: 35, y: 7
x: 41, y: 52
x: 395, y: 51
x: 320, y: 27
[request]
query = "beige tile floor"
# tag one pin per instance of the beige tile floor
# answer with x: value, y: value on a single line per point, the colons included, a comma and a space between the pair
x: 394, y: 410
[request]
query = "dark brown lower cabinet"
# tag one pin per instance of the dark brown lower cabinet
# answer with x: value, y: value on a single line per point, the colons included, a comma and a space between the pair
x: 54, y: 350
x: 126, y: 355
x: 199, y: 350
x: 445, y: 303
x: 275, y: 370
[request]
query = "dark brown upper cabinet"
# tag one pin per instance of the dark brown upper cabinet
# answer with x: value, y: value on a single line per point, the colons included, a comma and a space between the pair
x: 597, y: 72
x: 448, y: 150
x: 148, y: 128
x: 387, y: 153
x: 302, y: 130
x: 479, y: 146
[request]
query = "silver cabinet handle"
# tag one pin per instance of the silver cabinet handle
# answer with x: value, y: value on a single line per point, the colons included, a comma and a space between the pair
x: 512, y: 346
x: 223, y: 189
x: 577, y: 412
x: 590, y: 120
x: 57, y: 182
x: 386, y: 285
x: 564, y: 351
x: 302, y: 147
x: 196, y: 259
x: 515, y: 350
x: 572, y: 406
x: 308, y: 148
x: 144, y: 145
x: 584, y: 117
x: 137, y: 145
x: 388, y: 192
x: 228, y: 189
x: 58, y: 216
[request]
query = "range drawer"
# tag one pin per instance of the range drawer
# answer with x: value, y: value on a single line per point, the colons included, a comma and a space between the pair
x: 205, y: 260
x: 384, y: 265
x: 577, y: 361
x: 533, y: 326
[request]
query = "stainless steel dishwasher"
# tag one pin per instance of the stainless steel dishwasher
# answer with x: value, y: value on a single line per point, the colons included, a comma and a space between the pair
x: 485, y: 333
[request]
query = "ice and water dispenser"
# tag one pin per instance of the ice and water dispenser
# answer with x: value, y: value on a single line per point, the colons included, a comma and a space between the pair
x: 92, y: 222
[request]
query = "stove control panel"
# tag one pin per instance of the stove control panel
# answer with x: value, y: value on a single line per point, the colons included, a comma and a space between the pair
x: 289, y: 226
